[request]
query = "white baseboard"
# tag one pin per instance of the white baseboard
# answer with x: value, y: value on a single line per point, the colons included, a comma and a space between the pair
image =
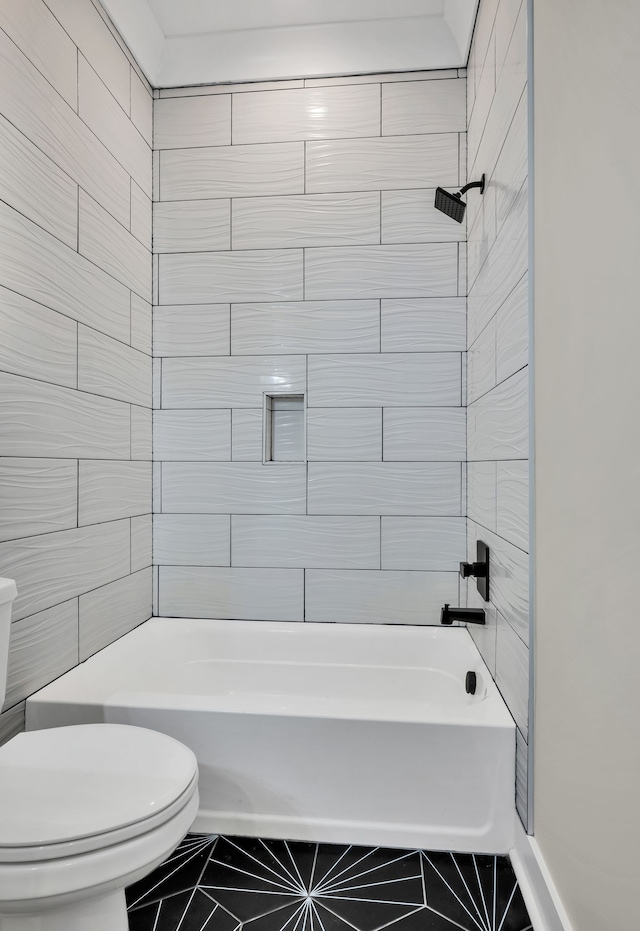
x: 538, y: 889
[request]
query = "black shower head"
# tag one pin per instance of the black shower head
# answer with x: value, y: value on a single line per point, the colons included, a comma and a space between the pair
x: 452, y: 204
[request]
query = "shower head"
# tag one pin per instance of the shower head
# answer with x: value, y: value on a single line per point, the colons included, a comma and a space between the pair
x: 452, y: 204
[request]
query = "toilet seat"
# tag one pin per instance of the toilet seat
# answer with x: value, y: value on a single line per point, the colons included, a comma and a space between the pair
x: 72, y: 790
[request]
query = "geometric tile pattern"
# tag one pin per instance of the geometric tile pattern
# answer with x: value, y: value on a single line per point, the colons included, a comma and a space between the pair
x: 213, y: 883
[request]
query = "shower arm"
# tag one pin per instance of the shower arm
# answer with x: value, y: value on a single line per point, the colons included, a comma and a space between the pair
x: 472, y: 184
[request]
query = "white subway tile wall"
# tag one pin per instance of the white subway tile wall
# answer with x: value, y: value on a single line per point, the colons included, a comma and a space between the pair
x: 498, y: 326
x: 75, y: 352
x: 299, y: 252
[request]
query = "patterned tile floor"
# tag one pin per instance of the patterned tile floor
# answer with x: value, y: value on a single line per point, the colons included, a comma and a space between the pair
x: 245, y: 884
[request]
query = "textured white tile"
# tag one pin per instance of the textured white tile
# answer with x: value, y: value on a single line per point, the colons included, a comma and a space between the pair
x: 305, y: 327
x: 306, y: 542
x: 232, y: 488
x: 425, y: 434
x: 424, y: 107
x: 37, y: 419
x: 192, y: 436
x: 435, y: 75
x: 34, y: 185
x: 156, y: 490
x: 34, y: 29
x: 287, y: 436
x: 382, y: 164
x: 512, y: 166
x: 36, y: 342
x: 141, y: 433
x: 37, y: 496
x: 504, y: 27
x: 110, y: 490
x: 306, y: 220
x: 155, y: 175
x: 192, y: 226
x: 192, y: 122
x: 462, y: 269
x: 411, y: 216
x: 246, y: 435
x: 155, y: 596
x: 235, y: 381
x: 113, y: 610
x: 141, y: 542
x: 112, y: 126
x: 191, y: 539
x: 428, y: 543
x: 232, y: 171
x: 141, y: 220
x: 509, y: 583
x: 388, y: 488
x: 141, y: 324
x: 481, y: 363
x: 522, y: 753
x: 512, y: 673
x: 155, y: 278
x: 156, y: 378
x: 389, y: 380
x: 382, y: 271
x: 436, y: 324
x: 42, y: 647
x: 112, y: 369
x: 40, y: 267
x: 191, y: 330
x: 32, y: 105
x: 513, y: 502
x: 206, y: 277
x: 485, y: 638
x: 503, y: 269
x: 368, y: 597
x: 481, y: 493
x: 242, y: 594
x: 205, y: 89
x: 56, y: 567
x: 141, y: 108
x: 485, y: 86
x: 482, y: 230
x: 348, y: 434
x: 498, y: 424
x: 512, y: 336
x: 108, y: 245
x: 88, y: 30
x: 307, y: 113
x: 487, y: 134
x: 12, y: 722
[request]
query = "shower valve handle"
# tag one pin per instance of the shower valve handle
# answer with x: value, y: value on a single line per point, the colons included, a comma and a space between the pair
x: 476, y: 569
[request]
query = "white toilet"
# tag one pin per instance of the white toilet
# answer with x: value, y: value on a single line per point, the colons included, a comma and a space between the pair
x: 84, y: 811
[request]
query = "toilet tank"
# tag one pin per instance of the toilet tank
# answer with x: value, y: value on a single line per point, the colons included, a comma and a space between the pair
x: 8, y: 592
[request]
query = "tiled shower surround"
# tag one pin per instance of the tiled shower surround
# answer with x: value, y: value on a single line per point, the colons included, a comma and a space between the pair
x: 498, y: 342
x: 75, y: 339
x: 298, y: 251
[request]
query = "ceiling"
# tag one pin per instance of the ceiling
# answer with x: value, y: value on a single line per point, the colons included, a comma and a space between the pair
x: 188, y: 42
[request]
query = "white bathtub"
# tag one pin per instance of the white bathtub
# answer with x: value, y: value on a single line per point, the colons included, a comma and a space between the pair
x: 325, y: 732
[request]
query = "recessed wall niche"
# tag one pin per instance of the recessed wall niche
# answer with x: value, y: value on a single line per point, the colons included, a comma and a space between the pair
x: 284, y: 428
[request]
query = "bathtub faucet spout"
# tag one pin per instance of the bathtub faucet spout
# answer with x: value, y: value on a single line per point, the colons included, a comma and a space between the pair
x: 467, y: 615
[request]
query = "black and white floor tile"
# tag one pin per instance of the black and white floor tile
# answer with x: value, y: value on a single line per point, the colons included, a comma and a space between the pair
x: 216, y: 883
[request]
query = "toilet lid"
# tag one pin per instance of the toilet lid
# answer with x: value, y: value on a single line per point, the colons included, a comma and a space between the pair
x: 67, y: 783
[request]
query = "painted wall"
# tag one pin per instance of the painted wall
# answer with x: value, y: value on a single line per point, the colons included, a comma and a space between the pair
x: 498, y: 341
x: 587, y: 506
x: 298, y: 250
x: 75, y: 339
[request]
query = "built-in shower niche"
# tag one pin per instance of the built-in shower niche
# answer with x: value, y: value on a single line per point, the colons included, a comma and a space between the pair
x: 284, y: 420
